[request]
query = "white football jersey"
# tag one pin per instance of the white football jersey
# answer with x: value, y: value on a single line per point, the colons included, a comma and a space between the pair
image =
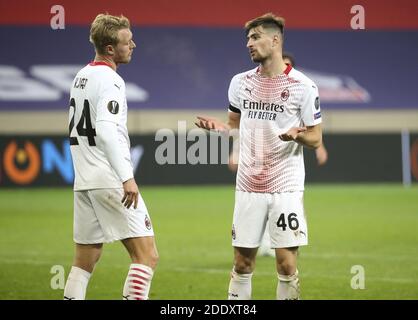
x: 97, y: 94
x: 270, y: 107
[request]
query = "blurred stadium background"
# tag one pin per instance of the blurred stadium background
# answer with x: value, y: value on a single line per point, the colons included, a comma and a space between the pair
x: 362, y: 205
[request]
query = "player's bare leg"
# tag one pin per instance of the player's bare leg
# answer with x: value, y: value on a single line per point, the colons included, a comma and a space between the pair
x: 144, y: 256
x: 286, y: 264
x: 86, y: 257
x: 240, y: 283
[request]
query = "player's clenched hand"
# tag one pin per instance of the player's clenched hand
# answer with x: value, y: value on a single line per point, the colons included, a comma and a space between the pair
x: 292, y: 134
x: 130, y: 195
x: 210, y: 123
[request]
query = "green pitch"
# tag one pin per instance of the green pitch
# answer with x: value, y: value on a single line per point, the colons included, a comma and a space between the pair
x: 373, y: 226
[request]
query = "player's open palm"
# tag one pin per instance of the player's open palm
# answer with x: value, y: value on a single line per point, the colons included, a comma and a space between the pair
x: 130, y: 195
x: 210, y: 123
x: 292, y: 134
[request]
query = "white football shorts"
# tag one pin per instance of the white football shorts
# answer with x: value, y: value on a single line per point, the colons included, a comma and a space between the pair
x: 282, y: 213
x: 100, y: 217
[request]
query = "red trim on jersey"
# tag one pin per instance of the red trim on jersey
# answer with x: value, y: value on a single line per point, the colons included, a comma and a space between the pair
x: 287, y: 70
x: 100, y: 63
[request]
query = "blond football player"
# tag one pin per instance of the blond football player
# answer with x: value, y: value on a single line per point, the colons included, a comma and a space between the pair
x: 107, y: 204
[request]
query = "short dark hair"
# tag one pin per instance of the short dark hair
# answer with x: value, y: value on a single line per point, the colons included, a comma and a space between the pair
x: 288, y: 55
x: 268, y: 21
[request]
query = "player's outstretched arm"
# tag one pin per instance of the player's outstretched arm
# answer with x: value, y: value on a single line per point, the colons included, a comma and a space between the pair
x: 310, y: 136
x: 210, y: 123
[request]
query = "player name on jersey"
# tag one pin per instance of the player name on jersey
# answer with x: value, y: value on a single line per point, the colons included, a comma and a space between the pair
x: 80, y: 83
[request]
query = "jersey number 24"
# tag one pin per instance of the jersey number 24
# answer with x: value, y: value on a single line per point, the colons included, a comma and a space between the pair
x: 84, y: 127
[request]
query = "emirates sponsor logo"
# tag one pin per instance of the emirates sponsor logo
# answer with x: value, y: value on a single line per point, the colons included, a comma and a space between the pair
x: 266, y: 106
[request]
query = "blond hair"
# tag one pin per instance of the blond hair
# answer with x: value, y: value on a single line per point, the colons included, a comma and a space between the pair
x: 104, y: 31
x: 268, y: 21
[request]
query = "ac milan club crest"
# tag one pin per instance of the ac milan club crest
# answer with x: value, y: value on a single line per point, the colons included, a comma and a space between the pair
x: 285, y: 94
x: 148, y: 223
